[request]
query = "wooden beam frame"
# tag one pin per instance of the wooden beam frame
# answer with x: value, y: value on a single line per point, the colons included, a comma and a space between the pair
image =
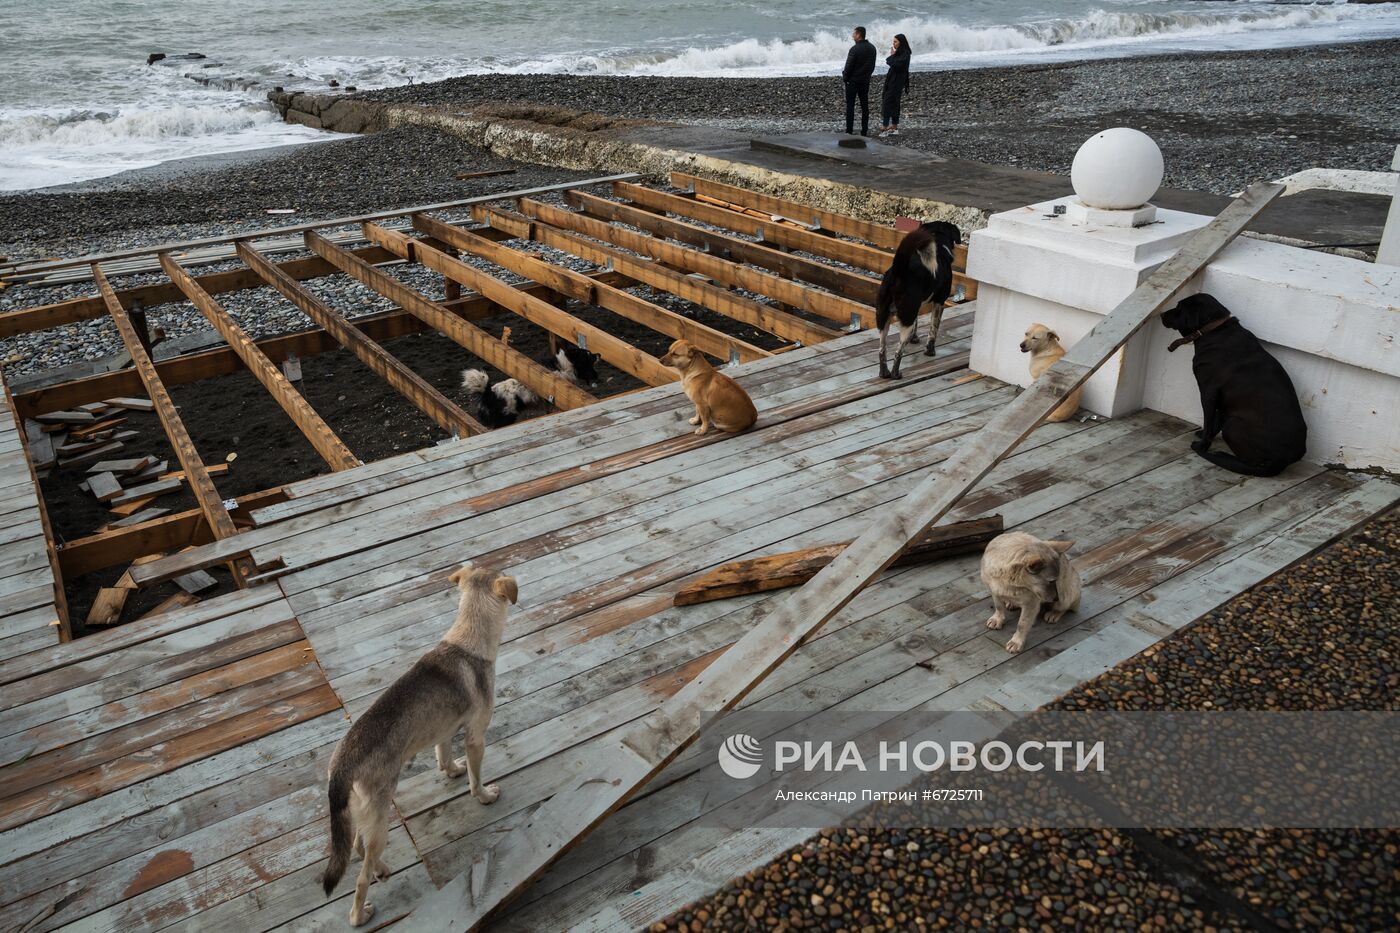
x: 824, y: 304
x: 580, y: 287
x: 442, y: 410
x: 548, y: 384
x: 211, y: 504
x: 312, y: 426
x: 839, y: 281
x: 713, y: 297
x: 616, y: 351
x: 817, y: 244
x: 614, y: 769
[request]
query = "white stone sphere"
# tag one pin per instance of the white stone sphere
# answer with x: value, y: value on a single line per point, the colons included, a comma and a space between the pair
x: 1117, y: 169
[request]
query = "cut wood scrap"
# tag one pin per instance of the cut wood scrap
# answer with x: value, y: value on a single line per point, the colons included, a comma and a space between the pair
x: 94, y: 408
x: 155, y: 471
x: 492, y: 173
x: 107, y: 607
x: 33, y: 430
x: 125, y: 579
x: 122, y: 467
x: 127, y: 509
x: 132, y: 404
x: 65, y: 417
x: 73, y: 448
x: 196, y: 581
x: 214, y: 469
x: 88, y: 430
x: 104, y: 486
x: 92, y: 456
x: 793, y: 568
x: 615, y: 767
x: 41, y: 451
x: 178, y: 601
x: 136, y: 518
x: 149, y: 491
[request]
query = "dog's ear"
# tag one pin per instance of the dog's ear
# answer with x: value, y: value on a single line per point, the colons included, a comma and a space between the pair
x: 1051, y: 335
x: 505, y: 588
x: 460, y: 574
x: 1061, y: 546
x: 1036, y: 565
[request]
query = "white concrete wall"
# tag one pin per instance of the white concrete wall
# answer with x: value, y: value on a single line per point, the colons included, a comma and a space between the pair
x: 1331, y: 321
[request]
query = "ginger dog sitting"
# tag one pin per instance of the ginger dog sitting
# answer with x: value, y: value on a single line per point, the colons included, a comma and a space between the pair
x: 1043, y: 344
x: 718, y: 399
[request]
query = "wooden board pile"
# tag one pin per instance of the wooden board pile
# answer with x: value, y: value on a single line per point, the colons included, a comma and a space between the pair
x: 82, y: 436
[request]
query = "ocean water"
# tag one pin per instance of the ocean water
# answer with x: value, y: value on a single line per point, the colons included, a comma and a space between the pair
x: 78, y: 102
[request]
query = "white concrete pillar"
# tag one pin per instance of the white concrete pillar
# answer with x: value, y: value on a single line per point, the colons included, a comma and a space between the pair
x: 1389, y: 253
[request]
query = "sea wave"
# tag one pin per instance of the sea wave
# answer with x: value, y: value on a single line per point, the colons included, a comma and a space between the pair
x: 99, y: 128
x: 936, y: 39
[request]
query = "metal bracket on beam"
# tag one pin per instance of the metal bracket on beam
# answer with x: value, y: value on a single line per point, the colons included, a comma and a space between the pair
x: 855, y: 323
x: 582, y: 340
x: 733, y: 356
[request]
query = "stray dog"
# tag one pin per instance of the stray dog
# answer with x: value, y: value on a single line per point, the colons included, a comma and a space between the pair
x: 496, y: 405
x: 1021, y: 571
x: 1246, y: 396
x: 450, y: 688
x: 575, y: 364
x: 718, y: 399
x: 920, y: 273
x: 1043, y: 344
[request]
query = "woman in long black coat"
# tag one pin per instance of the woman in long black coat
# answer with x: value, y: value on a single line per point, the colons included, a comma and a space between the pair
x: 896, y: 85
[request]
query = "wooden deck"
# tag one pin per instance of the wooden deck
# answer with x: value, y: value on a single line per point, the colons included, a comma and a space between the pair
x: 169, y: 774
x: 29, y: 619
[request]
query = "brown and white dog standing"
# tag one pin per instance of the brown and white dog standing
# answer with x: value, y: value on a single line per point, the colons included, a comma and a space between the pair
x: 452, y: 688
x: 1043, y: 344
x: 1021, y: 571
x: 718, y: 399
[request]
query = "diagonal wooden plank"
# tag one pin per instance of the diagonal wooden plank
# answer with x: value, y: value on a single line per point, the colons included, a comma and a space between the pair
x: 562, y: 393
x: 619, y: 768
x: 442, y: 410
x: 331, y: 448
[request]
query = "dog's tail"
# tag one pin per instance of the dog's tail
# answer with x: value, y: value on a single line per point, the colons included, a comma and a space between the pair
x: 341, y: 830
x: 475, y: 381
x: 1229, y: 461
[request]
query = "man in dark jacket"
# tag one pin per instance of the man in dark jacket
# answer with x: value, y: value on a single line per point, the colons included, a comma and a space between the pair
x: 860, y: 65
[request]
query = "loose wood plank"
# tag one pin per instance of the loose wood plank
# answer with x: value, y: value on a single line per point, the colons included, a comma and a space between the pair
x: 104, y: 487
x: 793, y: 568
x: 122, y: 467
x: 146, y: 492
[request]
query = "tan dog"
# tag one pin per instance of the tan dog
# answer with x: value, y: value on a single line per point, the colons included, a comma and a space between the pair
x: 718, y: 399
x: 1043, y: 344
x: 1021, y: 571
x: 452, y: 688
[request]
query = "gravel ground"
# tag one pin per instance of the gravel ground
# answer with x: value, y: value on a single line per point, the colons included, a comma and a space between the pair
x: 1223, y: 119
x: 1324, y: 635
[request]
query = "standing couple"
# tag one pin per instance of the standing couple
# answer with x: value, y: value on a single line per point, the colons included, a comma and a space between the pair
x: 860, y: 65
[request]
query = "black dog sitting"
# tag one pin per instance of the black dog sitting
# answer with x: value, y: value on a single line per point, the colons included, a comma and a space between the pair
x: 920, y: 273
x: 1246, y: 396
x: 573, y: 363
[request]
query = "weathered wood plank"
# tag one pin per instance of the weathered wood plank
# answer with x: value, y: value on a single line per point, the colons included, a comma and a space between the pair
x: 307, y: 420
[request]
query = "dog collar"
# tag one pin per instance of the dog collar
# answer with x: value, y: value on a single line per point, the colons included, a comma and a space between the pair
x: 1198, y: 334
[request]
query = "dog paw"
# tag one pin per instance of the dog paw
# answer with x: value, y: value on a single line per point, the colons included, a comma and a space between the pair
x: 1200, y: 447
x: 1054, y: 615
x: 361, y: 917
x: 455, y: 770
x: 695, y: 420
x: 489, y: 794
x: 1015, y: 644
x: 995, y: 622
x: 930, y: 351
x: 702, y: 430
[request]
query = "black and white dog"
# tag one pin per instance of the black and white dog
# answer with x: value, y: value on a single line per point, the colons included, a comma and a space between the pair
x: 921, y: 273
x: 575, y: 364
x: 496, y: 405
x: 1246, y: 396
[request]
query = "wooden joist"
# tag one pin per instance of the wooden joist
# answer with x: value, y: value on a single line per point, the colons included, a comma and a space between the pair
x: 312, y: 426
x: 211, y: 504
x: 442, y: 410
x: 616, y: 351
x: 613, y: 769
x: 817, y: 244
x: 580, y: 287
x: 546, y: 383
x: 719, y: 300
x: 852, y: 285
x: 793, y: 568
x: 824, y: 304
